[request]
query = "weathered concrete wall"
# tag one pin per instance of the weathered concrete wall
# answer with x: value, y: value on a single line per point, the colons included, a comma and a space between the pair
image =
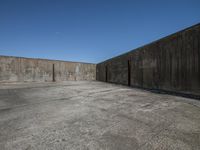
x: 172, y: 64
x: 14, y: 69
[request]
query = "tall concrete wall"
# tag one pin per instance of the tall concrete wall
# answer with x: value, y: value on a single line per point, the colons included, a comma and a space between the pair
x: 172, y: 64
x: 14, y: 69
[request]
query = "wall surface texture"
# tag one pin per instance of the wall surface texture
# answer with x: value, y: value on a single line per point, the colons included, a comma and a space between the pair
x: 171, y: 64
x: 14, y: 69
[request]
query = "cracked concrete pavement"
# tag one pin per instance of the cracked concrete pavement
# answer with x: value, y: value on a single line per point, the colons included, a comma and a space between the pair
x: 90, y: 115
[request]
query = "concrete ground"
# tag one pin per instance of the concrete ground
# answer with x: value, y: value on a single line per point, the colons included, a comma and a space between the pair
x: 95, y: 116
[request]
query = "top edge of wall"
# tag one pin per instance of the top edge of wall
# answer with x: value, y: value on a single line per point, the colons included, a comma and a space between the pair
x: 138, y: 48
x: 47, y: 59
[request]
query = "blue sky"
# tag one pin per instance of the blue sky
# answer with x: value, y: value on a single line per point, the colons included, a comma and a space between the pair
x: 89, y: 30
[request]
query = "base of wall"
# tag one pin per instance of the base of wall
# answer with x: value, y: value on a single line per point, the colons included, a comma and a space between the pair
x: 162, y: 91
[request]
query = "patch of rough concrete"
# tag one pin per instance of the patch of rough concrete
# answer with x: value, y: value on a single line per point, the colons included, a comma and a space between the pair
x: 95, y: 116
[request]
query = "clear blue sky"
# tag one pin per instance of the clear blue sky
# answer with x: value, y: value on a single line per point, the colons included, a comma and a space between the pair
x: 89, y: 30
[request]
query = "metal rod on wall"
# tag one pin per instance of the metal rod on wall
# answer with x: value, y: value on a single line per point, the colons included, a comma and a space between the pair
x: 106, y: 73
x: 53, y: 74
x: 129, y: 73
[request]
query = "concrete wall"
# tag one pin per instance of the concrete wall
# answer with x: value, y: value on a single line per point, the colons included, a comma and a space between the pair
x: 172, y: 64
x: 14, y: 69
